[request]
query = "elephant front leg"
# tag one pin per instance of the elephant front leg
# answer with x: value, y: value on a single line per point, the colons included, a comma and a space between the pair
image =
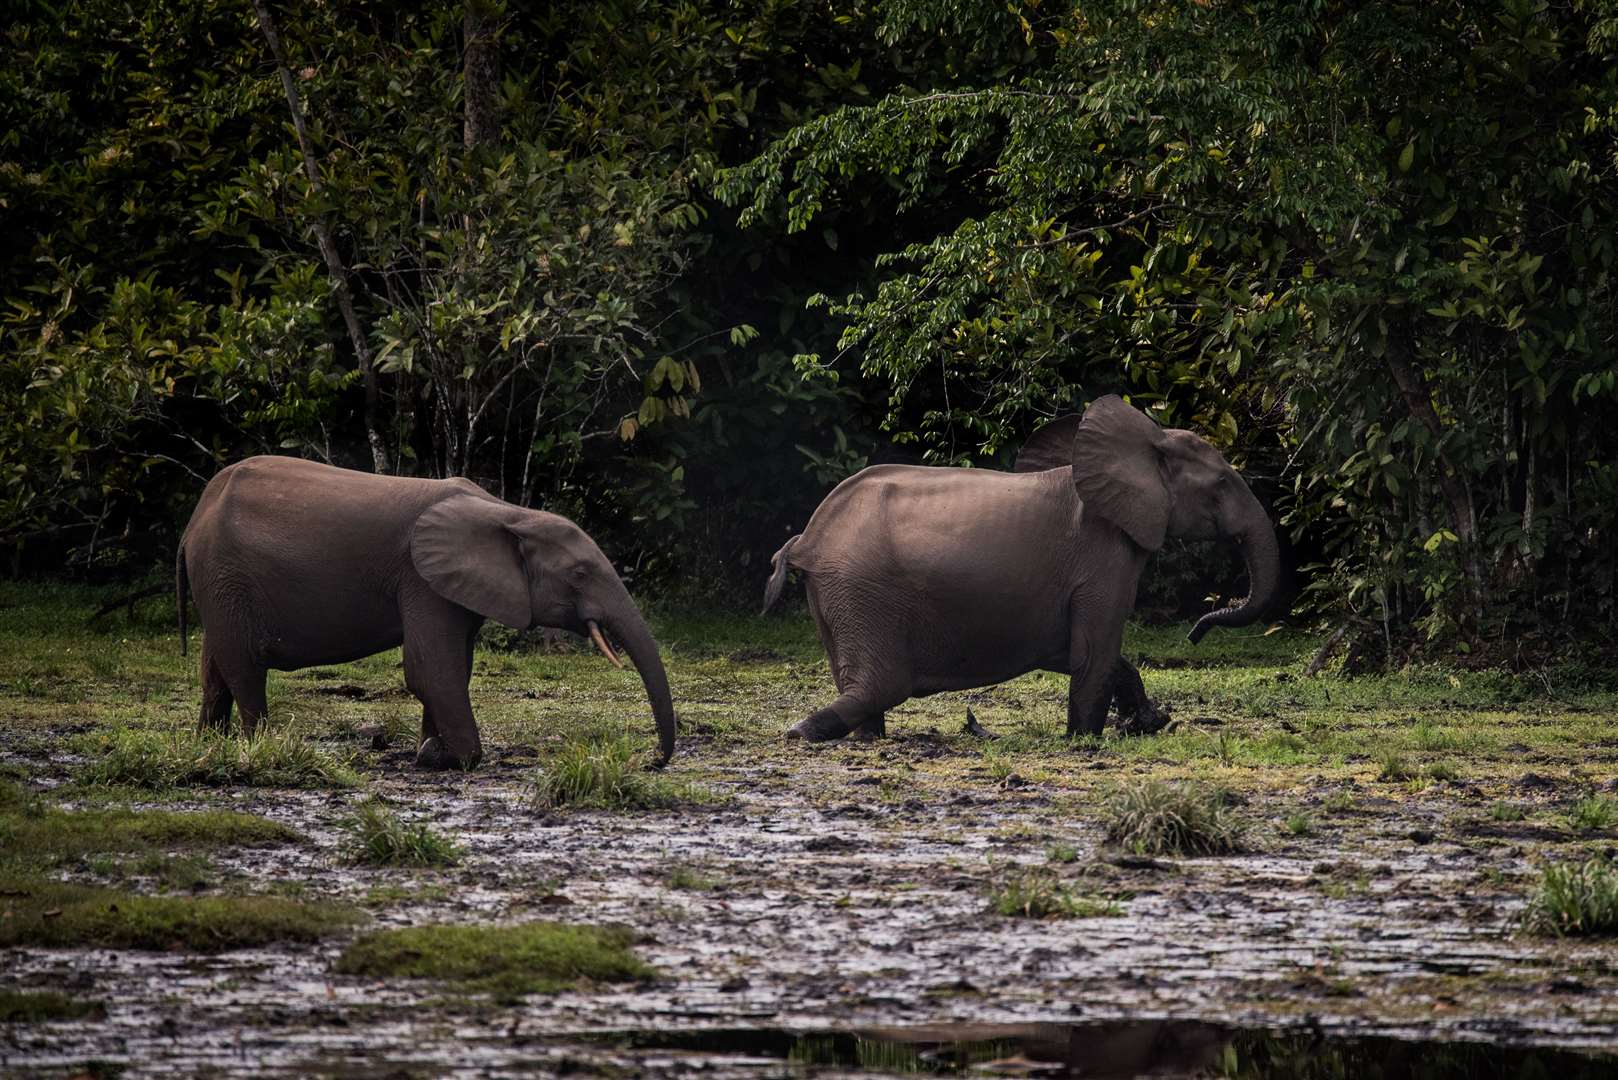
x: 437, y: 671
x: 1137, y: 714
x: 1089, y: 690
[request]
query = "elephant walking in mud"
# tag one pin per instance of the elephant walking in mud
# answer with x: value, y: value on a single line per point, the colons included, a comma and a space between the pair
x: 292, y: 563
x: 923, y: 579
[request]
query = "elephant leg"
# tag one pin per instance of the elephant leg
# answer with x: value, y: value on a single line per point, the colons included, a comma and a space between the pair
x: 1137, y: 714
x: 850, y: 712
x: 437, y: 649
x: 216, y: 697
x: 1092, y: 659
x: 429, y: 727
x: 246, y: 681
x: 874, y: 727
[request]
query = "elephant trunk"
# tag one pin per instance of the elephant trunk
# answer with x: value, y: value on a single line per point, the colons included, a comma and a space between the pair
x: 1256, y: 537
x: 625, y: 623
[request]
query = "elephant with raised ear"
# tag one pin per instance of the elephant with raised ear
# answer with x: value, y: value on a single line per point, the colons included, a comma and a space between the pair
x: 292, y: 563
x: 925, y: 579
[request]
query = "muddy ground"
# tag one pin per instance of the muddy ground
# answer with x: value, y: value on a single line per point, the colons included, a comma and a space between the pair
x: 847, y: 887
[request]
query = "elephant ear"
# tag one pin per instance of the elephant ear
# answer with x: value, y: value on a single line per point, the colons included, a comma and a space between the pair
x: 1119, y: 469
x: 1050, y: 447
x: 465, y: 550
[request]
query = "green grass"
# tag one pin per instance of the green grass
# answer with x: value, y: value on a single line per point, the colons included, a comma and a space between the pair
x: 53, y: 914
x: 1593, y: 813
x: 1039, y: 894
x: 34, y: 832
x: 36, y: 1007
x: 1299, y: 824
x: 1575, y: 900
x: 610, y: 775
x: 186, y: 757
x: 1506, y: 811
x: 1157, y: 818
x: 376, y: 837
x: 1395, y: 768
x: 690, y: 879
x: 507, y: 961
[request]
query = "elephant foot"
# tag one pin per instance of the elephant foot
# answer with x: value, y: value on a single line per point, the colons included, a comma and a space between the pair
x: 822, y: 726
x: 1146, y: 720
x: 432, y: 755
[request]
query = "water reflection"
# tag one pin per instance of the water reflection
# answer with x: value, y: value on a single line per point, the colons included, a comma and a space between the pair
x: 1158, y: 1048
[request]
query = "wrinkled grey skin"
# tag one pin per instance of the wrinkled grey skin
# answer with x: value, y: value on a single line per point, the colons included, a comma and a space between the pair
x: 293, y: 563
x: 922, y: 580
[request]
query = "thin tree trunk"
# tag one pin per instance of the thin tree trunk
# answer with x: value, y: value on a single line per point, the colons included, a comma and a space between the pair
x: 1418, y: 398
x: 481, y: 74
x: 328, y: 247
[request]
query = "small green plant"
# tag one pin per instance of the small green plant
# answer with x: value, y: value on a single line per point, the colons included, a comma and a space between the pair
x: 1505, y: 811
x: 609, y: 775
x: 1395, y: 769
x: 376, y: 837
x: 1442, y: 772
x: 1061, y: 853
x: 1339, y: 802
x: 186, y: 757
x: 691, y: 879
x: 1299, y: 824
x: 1039, y: 894
x: 1157, y: 818
x: 1593, y: 813
x: 1574, y: 900
x: 507, y: 961
x: 30, y: 1007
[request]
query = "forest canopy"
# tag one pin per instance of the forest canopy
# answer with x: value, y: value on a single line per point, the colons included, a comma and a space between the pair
x: 675, y: 268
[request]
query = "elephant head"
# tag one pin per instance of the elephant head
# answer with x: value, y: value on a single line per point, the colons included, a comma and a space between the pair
x: 1154, y: 482
x: 527, y: 568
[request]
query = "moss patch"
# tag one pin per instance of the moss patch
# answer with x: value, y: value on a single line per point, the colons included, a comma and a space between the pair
x: 54, y: 914
x: 508, y: 961
x: 35, y: 832
x: 26, y: 1007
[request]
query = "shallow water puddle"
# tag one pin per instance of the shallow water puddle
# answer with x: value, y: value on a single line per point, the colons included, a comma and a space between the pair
x: 1157, y: 1048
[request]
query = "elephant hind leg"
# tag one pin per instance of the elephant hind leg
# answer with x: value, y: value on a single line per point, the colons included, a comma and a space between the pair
x: 848, y: 713
x: 216, y: 696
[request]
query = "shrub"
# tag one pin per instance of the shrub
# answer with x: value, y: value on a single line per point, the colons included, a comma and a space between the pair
x: 1156, y: 818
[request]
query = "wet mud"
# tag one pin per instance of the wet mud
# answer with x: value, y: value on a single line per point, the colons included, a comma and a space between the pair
x: 840, y: 923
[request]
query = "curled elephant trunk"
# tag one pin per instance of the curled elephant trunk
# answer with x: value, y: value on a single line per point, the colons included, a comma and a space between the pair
x: 625, y: 624
x: 1262, y: 554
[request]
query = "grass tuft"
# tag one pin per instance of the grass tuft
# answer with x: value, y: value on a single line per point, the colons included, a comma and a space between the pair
x: 609, y: 775
x: 1505, y: 811
x: 1156, y: 818
x: 1299, y: 824
x: 1395, y: 769
x: 508, y: 961
x: 38, y: 833
x: 1039, y: 894
x: 1593, y: 813
x: 55, y: 914
x: 1575, y: 900
x: 689, y: 878
x: 189, y: 758
x: 376, y: 837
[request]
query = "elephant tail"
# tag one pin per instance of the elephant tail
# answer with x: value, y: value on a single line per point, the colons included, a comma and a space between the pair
x: 181, y: 587
x: 778, y: 577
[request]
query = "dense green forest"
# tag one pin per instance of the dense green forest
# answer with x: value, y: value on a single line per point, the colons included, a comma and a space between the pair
x: 675, y: 267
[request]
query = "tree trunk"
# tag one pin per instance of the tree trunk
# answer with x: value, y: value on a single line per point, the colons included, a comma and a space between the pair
x: 480, y: 72
x: 1418, y: 398
x: 328, y: 247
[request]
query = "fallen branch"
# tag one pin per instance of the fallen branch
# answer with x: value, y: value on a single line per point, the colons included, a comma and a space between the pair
x: 129, y: 601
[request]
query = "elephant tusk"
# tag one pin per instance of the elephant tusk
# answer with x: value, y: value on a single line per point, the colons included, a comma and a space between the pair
x: 601, y: 643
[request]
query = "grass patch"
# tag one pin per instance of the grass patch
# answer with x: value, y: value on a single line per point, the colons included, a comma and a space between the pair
x: 1505, y: 811
x: 691, y: 879
x: 1062, y: 853
x: 609, y: 775
x: 1157, y: 818
x: 1575, y: 900
x: 1299, y: 825
x: 53, y: 914
x: 507, y: 961
x: 376, y: 837
x: 1395, y: 769
x: 1593, y: 812
x: 35, y: 1007
x: 34, y: 832
x: 1036, y: 894
x: 187, y: 757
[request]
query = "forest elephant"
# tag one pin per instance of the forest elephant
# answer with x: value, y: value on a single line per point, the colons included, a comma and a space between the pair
x: 292, y: 563
x: 924, y: 579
